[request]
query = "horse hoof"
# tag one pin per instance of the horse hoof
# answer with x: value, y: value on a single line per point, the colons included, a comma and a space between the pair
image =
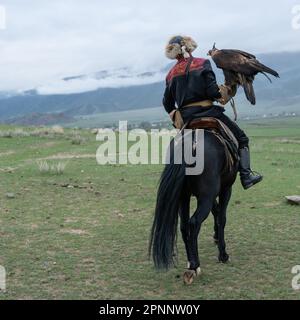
x: 190, y: 275
x: 224, y: 258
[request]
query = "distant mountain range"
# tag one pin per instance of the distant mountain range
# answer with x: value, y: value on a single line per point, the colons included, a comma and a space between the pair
x: 117, y: 90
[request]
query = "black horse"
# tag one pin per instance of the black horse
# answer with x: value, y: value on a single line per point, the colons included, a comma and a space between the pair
x: 173, y: 200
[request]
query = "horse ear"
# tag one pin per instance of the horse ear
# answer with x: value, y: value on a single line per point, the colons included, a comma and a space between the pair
x: 214, y: 46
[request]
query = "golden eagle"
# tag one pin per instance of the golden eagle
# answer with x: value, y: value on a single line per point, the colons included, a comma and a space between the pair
x: 240, y: 69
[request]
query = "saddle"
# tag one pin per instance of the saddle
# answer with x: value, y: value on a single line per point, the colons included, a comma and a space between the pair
x: 223, y: 133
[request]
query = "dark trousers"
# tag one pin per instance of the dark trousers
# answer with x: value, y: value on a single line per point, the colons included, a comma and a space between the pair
x: 216, y: 112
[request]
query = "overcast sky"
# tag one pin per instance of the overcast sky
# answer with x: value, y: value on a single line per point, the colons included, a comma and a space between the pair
x: 46, y: 40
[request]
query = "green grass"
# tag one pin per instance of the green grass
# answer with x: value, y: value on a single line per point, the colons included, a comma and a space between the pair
x: 89, y: 240
x: 158, y: 114
x: 109, y: 118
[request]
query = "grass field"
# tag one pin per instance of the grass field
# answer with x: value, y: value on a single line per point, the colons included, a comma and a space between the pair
x: 158, y: 114
x: 109, y: 118
x: 84, y: 233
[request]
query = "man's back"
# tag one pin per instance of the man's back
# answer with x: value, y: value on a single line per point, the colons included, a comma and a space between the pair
x: 200, y: 84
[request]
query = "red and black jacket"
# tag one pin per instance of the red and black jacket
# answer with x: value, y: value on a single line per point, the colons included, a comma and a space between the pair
x: 199, y: 85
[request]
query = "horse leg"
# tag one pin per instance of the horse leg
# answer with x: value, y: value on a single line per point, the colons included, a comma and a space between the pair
x: 204, y: 206
x: 224, y: 199
x: 215, y: 212
x: 184, y: 213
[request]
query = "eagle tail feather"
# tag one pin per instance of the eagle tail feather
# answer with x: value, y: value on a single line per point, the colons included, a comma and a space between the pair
x: 262, y: 68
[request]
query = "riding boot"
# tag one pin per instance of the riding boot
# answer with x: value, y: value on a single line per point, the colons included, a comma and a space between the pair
x: 248, y: 177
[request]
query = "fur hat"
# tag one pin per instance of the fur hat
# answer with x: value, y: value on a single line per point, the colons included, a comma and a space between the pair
x: 180, y: 45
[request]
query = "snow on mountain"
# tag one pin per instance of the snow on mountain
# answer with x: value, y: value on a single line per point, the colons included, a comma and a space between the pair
x: 117, y: 78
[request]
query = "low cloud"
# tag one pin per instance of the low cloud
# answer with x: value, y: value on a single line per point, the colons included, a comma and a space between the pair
x: 115, y: 79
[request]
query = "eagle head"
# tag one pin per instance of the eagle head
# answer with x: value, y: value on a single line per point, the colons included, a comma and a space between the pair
x: 212, y: 51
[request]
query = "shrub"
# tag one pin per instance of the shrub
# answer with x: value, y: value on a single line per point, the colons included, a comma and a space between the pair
x: 43, y: 166
x: 57, y: 130
x: 6, y: 134
x: 54, y: 168
x: 59, y: 168
x: 18, y: 132
x: 77, y: 139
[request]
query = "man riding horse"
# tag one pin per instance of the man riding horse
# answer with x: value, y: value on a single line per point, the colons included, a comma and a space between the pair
x: 191, y: 85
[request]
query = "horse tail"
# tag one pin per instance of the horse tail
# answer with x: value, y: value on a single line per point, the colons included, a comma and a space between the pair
x: 164, y: 229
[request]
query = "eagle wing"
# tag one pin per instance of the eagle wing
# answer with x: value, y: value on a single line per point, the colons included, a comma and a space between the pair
x: 244, y: 53
x: 241, y: 62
